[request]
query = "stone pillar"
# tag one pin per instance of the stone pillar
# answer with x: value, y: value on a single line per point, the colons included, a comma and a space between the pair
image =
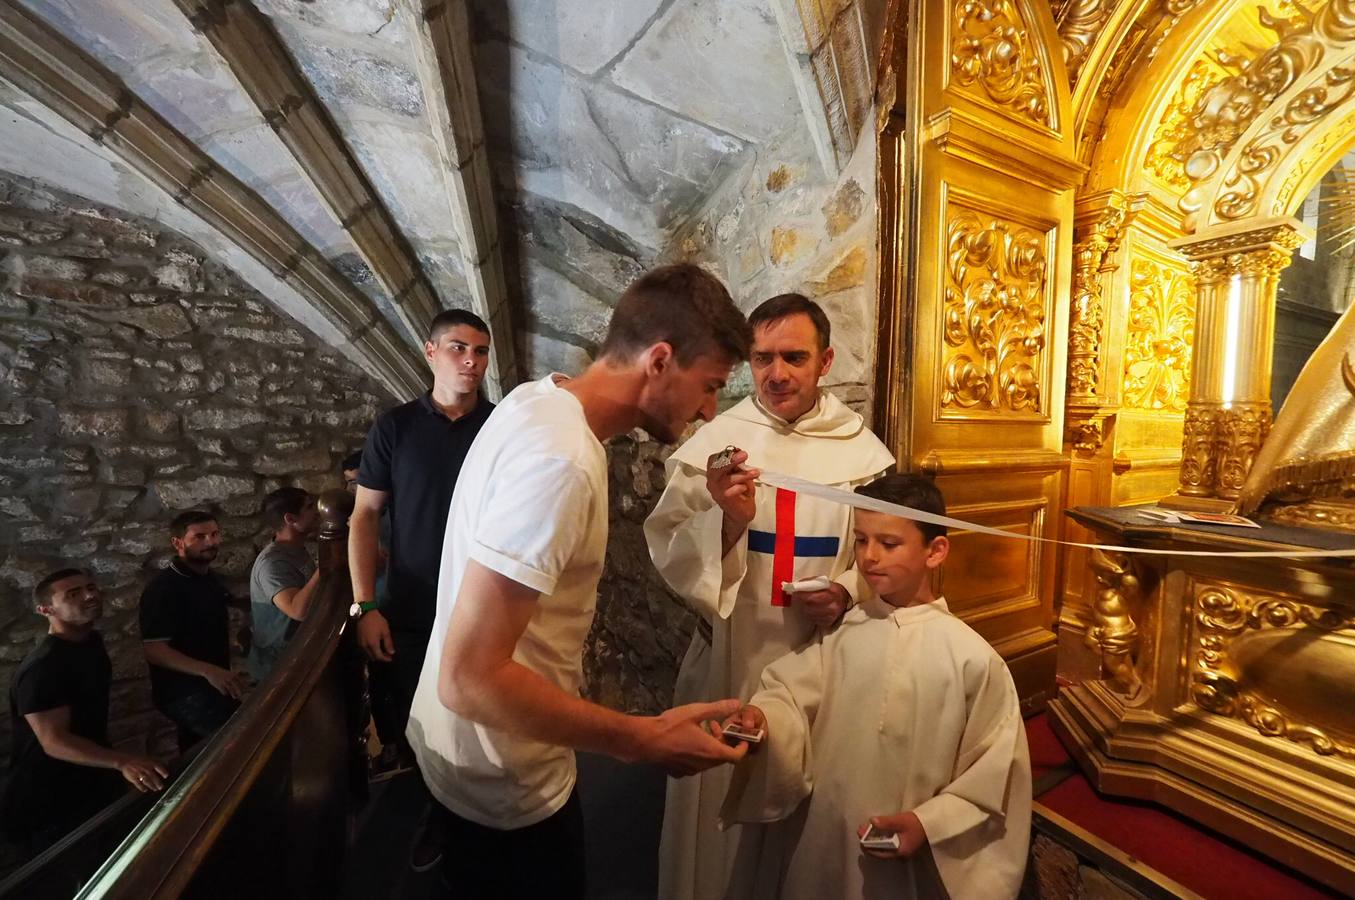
x: 1237, y: 271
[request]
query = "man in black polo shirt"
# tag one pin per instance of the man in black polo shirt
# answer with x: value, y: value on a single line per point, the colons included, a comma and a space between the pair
x: 62, y: 769
x: 409, y: 465
x: 185, y: 633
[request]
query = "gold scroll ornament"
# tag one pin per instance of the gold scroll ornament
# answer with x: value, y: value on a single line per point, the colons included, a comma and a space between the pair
x: 994, y: 315
x: 992, y: 50
x: 1230, y: 679
x: 1158, y: 338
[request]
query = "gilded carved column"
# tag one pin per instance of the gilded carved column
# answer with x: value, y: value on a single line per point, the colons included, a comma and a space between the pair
x: 1099, y: 222
x: 1236, y: 275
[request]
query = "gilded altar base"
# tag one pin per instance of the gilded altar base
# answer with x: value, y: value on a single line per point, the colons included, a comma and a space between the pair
x: 1228, y: 691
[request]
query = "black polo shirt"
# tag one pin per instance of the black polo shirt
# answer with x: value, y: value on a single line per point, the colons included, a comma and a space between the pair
x: 414, y: 454
x: 43, y: 790
x: 190, y: 611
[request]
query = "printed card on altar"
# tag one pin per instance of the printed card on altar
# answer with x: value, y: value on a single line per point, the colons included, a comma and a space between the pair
x: 1217, y: 519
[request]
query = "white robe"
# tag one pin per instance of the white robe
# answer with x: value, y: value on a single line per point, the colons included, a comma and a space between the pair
x: 896, y: 710
x: 734, y: 595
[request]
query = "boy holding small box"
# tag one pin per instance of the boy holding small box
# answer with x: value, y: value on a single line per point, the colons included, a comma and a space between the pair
x: 903, y: 723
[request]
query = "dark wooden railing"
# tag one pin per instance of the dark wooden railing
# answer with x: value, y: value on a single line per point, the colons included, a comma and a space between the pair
x: 266, y: 809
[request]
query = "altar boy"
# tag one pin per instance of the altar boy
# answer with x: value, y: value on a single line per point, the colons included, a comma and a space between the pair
x: 903, y: 719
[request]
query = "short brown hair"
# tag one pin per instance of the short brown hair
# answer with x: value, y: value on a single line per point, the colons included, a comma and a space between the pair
x: 913, y: 491
x: 179, y: 525
x: 450, y: 318
x: 42, y: 591
x: 683, y: 305
x: 785, y: 305
x: 284, y: 502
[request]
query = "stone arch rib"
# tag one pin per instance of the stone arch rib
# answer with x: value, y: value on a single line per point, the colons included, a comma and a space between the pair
x: 58, y: 74
x: 256, y: 55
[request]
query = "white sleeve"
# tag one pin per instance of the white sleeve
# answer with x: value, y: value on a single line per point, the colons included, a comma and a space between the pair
x: 978, y: 826
x: 684, y: 534
x: 769, y: 783
x: 535, y: 514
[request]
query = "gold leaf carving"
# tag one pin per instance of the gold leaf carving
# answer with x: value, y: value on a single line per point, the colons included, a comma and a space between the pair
x: 1086, y: 319
x: 1221, y: 615
x: 1166, y: 154
x: 1197, y: 449
x: 1241, y: 429
x: 1260, y: 157
x: 994, y: 326
x: 1080, y: 22
x: 1159, y: 336
x: 992, y: 49
x: 1305, y: 44
x: 1115, y: 633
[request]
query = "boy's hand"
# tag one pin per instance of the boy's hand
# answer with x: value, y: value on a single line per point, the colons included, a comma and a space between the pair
x: 906, y: 825
x: 749, y: 718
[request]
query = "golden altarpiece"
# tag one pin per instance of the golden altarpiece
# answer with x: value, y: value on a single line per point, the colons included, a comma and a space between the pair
x: 1085, y: 210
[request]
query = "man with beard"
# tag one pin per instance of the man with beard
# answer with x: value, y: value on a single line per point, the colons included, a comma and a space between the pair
x: 185, y: 633
x: 284, y: 579
x: 497, y: 715
x: 729, y: 548
x: 61, y: 765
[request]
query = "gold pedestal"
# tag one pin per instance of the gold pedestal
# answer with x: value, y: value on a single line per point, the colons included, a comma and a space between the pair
x: 1228, y: 689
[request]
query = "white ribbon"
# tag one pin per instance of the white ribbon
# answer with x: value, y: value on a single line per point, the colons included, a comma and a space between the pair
x: 848, y: 498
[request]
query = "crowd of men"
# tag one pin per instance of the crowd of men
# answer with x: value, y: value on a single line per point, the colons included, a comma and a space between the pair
x: 477, y: 540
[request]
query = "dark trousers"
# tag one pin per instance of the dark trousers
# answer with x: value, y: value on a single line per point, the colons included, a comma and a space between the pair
x: 391, y: 685
x: 531, y: 863
x: 199, y: 715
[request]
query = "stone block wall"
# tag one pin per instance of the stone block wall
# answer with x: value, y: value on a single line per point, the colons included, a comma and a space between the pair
x: 138, y: 379
x: 779, y: 224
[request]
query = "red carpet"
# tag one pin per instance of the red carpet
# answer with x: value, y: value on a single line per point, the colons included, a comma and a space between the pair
x: 1204, y: 862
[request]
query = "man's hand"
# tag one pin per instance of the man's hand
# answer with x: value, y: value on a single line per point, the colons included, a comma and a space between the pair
x: 906, y: 825
x: 143, y: 773
x: 677, y: 739
x: 824, y: 607
x: 374, y: 636
x: 749, y: 718
x: 732, y: 489
x: 232, y: 684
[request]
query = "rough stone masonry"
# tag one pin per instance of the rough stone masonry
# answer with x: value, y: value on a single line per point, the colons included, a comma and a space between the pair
x: 138, y: 379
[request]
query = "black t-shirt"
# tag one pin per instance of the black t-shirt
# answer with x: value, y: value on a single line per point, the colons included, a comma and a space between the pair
x: 414, y: 454
x: 190, y: 611
x: 59, y: 672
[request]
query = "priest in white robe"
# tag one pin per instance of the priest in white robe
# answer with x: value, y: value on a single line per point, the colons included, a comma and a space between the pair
x: 729, y: 559
x: 903, y: 717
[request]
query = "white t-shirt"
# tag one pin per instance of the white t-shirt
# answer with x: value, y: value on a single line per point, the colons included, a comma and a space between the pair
x: 531, y: 504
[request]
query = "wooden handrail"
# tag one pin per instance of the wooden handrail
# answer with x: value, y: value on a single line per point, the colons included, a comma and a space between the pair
x: 169, y: 847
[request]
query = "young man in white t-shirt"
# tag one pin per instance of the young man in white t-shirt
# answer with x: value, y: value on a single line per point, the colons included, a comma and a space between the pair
x: 497, y: 714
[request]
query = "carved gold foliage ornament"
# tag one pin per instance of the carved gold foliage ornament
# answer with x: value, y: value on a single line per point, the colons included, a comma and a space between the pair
x: 1080, y: 22
x: 1159, y: 336
x: 994, y: 327
x: 1261, y: 155
x: 1222, y: 616
x: 1197, y: 449
x: 1227, y: 108
x: 991, y: 48
x: 1241, y: 429
x: 1166, y: 159
x: 1086, y: 318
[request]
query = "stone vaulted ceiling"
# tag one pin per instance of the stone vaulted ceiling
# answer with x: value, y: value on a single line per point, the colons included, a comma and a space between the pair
x: 601, y: 128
